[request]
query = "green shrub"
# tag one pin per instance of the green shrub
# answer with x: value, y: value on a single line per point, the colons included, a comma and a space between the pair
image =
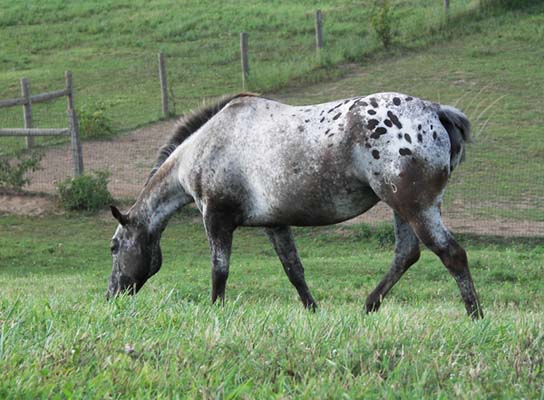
x: 93, y: 121
x: 13, y: 169
x: 85, y: 192
x: 382, y: 21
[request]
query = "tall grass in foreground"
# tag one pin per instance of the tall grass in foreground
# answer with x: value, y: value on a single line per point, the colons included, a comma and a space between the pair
x: 59, y: 338
x: 161, y: 346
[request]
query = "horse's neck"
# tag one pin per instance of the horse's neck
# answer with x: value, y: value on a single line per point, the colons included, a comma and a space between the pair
x: 162, y: 196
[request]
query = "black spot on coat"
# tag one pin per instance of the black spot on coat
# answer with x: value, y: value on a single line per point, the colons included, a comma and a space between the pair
x: 355, y: 104
x: 372, y: 123
x: 378, y: 132
x: 394, y: 119
x: 396, y: 101
x: 388, y: 123
x: 404, y: 152
x: 334, y: 108
x: 337, y: 116
x: 376, y: 154
x: 407, y: 138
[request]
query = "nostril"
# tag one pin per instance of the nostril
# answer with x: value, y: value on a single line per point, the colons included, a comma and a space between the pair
x: 113, y: 289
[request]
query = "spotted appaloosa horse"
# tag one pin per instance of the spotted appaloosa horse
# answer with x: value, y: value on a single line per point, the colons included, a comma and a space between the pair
x: 250, y: 161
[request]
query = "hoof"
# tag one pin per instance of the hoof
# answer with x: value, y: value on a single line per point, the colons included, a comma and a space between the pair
x: 372, y: 307
x: 310, y: 305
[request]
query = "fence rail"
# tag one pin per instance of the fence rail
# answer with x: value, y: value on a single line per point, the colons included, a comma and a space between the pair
x: 29, y: 132
x: 37, y: 98
x: 35, y: 132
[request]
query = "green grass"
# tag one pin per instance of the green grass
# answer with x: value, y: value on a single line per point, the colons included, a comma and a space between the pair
x: 111, y: 46
x: 59, y: 338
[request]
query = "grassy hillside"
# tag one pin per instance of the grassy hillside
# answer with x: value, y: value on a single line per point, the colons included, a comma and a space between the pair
x: 111, y: 46
x: 60, y: 338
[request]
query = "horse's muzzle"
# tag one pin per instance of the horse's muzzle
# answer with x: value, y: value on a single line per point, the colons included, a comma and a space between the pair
x: 123, y: 286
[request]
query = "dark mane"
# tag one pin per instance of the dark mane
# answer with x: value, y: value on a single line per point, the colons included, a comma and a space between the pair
x: 189, y: 124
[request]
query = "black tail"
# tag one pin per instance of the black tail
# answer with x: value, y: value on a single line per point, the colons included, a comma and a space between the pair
x: 458, y: 127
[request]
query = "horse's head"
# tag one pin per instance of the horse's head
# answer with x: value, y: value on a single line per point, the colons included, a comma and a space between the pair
x: 136, y: 255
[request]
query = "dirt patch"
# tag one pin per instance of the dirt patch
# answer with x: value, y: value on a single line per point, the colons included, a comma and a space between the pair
x: 28, y: 205
x: 501, y: 227
x: 128, y: 158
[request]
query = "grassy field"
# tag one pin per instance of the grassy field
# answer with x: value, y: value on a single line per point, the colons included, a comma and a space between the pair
x: 59, y: 338
x: 111, y: 46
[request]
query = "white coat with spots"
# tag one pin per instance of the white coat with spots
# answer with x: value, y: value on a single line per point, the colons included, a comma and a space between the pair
x: 251, y: 161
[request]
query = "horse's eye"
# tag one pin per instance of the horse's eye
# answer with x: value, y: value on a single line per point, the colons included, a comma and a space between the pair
x: 114, y: 246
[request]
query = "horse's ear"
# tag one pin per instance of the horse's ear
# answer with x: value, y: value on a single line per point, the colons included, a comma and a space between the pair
x: 119, y: 216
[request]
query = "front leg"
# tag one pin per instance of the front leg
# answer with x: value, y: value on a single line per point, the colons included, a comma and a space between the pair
x: 219, y: 228
x: 284, y: 244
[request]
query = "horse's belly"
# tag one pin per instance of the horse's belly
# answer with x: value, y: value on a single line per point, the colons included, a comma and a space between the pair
x: 301, y: 207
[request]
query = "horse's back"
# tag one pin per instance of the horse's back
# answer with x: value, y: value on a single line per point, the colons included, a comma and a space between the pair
x: 310, y: 165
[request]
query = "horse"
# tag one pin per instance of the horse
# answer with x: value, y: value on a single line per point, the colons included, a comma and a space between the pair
x: 251, y: 161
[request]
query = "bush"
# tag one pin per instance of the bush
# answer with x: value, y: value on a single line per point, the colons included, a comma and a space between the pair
x: 13, y: 169
x: 93, y: 122
x: 85, y: 192
x: 382, y: 21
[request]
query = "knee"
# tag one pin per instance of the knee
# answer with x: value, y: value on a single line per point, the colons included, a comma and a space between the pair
x: 454, y: 258
x: 413, y: 256
x: 220, y: 274
x: 408, y: 255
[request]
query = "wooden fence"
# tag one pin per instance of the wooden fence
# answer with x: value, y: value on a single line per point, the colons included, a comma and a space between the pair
x: 27, y: 100
x: 244, y: 57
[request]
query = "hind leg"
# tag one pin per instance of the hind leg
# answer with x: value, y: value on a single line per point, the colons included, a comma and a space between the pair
x: 432, y: 232
x: 406, y: 254
x: 284, y: 245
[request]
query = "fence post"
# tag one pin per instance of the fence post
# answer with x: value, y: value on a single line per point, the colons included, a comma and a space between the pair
x: 27, y: 110
x: 244, y: 57
x: 164, y: 85
x: 73, y: 125
x: 447, y: 10
x: 318, y: 31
